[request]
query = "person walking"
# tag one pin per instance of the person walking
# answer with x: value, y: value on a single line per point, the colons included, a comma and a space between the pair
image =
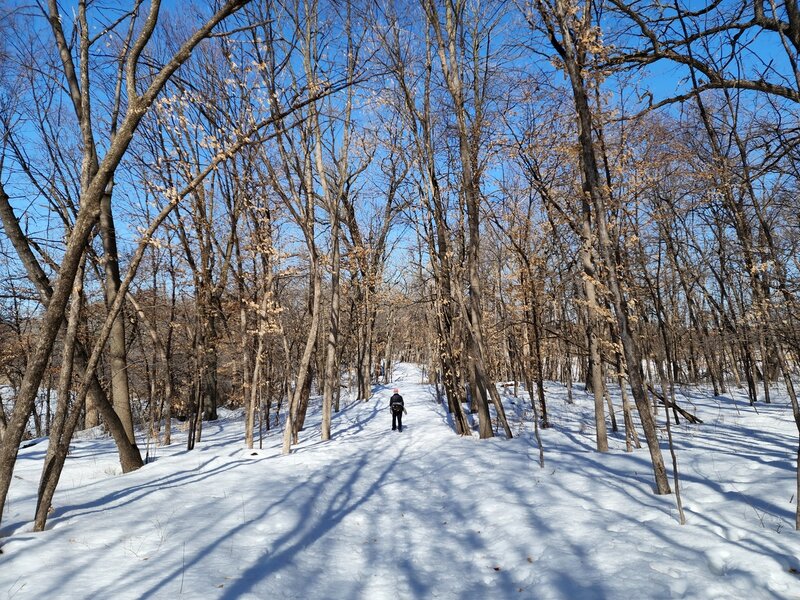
x: 398, y: 408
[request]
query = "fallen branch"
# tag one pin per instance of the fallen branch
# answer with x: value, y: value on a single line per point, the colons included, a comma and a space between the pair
x: 669, y: 404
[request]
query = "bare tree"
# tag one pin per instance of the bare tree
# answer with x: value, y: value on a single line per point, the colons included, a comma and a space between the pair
x: 470, y: 127
x: 98, y: 175
x: 570, y: 32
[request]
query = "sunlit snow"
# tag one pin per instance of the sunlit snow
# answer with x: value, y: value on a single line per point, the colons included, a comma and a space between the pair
x: 379, y: 514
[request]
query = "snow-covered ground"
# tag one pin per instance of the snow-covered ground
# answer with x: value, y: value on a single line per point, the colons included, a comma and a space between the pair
x: 379, y: 514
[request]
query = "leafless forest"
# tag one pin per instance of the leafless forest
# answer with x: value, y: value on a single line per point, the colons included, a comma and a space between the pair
x: 260, y: 203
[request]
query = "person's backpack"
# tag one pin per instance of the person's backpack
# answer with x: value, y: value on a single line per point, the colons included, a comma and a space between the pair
x: 396, y: 403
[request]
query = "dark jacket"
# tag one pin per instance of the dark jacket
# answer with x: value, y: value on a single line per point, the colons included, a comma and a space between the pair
x: 396, y: 403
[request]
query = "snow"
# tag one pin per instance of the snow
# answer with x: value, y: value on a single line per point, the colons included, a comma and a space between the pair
x: 420, y: 514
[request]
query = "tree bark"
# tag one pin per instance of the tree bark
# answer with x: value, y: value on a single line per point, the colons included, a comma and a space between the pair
x: 117, y: 350
x: 331, y: 371
x: 65, y: 421
x: 292, y: 413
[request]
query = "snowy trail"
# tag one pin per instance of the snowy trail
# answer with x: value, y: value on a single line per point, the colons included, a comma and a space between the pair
x: 377, y: 514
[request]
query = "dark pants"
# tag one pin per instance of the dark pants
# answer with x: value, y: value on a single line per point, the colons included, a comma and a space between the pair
x: 397, y: 420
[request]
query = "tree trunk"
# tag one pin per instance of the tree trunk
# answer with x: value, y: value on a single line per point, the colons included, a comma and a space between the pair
x: 592, y: 333
x: 61, y: 433
x: 480, y: 400
x: 305, y: 395
x: 535, y: 345
x: 117, y: 351
x: 290, y: 428
x: 331, y: 372
x: 255, y: 384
